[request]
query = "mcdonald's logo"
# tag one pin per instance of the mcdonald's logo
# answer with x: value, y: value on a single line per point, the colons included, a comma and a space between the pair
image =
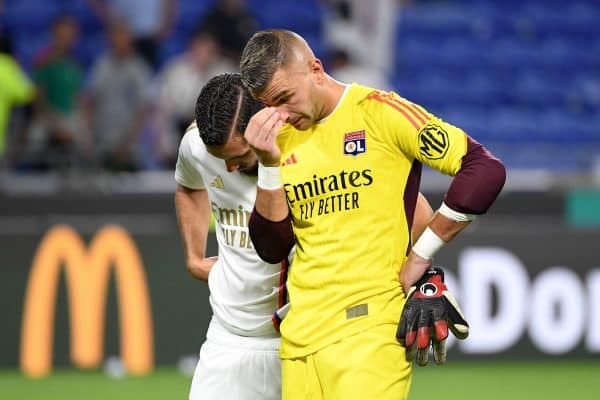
x: 87, y: 274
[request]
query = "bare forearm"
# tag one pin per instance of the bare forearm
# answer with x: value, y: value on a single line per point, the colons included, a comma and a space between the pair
x: 193, y: 215
x: 415, y: 266
x: 422, y: 216
x: 271, y: 204
x: 446, y: 228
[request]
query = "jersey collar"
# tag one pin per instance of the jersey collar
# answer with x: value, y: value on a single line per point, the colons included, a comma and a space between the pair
x: 346, y: 90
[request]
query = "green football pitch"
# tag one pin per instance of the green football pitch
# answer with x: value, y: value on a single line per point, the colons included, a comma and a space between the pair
x: 458, y: 380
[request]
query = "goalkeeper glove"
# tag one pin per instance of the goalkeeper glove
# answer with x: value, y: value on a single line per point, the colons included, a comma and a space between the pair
x: 429, y: 311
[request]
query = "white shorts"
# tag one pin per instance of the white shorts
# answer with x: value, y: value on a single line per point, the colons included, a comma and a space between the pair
x: 237, y: 367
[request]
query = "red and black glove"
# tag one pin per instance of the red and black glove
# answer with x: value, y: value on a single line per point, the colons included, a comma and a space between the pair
x: 429, y: 311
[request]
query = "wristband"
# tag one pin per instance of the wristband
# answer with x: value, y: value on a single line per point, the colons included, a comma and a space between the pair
x: 428, y: 244
x: 454, y: 215
x: 269, y: 178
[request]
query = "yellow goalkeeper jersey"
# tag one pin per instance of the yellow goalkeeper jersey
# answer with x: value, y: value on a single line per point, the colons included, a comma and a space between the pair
x: 351, y: 183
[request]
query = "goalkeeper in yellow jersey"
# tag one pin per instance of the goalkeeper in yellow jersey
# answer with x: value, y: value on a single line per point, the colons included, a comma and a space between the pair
x: 339, y: 173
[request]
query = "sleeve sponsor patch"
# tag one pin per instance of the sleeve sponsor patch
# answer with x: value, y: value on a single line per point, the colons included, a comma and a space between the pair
x: 433, y: 142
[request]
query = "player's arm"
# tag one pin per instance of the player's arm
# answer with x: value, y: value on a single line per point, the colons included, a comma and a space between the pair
x: 193, y: 216
x: 475, y: 186
x: 424, y: 138
x: 422, y: 216
x: 270, y: 225
x: 430, y: 309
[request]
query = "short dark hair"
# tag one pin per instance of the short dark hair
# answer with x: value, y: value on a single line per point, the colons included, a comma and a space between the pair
x: 265, y: 52
x: 224, y: 105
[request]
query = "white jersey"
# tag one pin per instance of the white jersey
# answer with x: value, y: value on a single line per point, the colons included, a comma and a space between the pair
x: 244, y: 290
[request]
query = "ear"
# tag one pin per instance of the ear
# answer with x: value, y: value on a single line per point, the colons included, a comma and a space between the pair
x: 316, y: 70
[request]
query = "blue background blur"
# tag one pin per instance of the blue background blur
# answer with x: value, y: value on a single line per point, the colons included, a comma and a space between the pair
x: 523, y: 77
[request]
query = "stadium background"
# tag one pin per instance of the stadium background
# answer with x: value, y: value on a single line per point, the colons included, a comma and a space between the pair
x: 523, y: 77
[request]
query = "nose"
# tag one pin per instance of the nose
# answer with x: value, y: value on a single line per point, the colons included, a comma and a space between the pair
x: 283, y: 112
x: 231, y: 165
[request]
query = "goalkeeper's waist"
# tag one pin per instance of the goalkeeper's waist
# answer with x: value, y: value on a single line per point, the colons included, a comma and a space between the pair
x: 306, y: 331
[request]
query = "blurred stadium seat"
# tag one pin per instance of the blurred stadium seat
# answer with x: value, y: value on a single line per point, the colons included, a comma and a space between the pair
x: 304, y: 17
x: 510, y: 73
x: 30, y: 15
x: 90, y: 23
x: 512, y: 70
x: 191, y: 12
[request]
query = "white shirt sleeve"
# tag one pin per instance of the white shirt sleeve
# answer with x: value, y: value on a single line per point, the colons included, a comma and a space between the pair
x: 187, y: 171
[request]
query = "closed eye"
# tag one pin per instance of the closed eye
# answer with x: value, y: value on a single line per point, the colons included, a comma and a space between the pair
x: 240, y: 157
x: 281, y: 98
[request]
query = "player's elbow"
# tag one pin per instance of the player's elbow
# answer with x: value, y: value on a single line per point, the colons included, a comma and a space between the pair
x: 496, y: 172
x: 272, y: 240
x: 478, y: 183
x: 492, y: 176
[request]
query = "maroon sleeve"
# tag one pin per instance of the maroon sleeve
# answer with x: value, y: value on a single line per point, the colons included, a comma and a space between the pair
x: 272, y: 240
x: 478, y: 182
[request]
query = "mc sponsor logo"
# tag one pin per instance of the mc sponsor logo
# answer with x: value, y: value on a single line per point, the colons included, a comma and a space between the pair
x: 433, y: 142
x: 87, y: 272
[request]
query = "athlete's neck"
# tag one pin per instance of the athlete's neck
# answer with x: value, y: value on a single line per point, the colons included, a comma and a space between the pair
x: 332, y: 95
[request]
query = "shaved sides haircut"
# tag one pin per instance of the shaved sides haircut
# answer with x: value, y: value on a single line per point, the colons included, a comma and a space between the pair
x: 264, y: 54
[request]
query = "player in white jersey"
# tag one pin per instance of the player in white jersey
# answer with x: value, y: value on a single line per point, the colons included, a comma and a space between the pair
x: 239, y: 359
x: 216, y: 171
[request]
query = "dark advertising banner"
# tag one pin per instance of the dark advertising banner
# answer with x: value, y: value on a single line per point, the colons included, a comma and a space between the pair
x: 527, y: 294
x: 79, y: 306
x: 83, y: 280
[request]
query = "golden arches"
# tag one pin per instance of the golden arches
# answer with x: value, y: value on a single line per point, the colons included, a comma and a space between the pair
x: 87, y: 277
